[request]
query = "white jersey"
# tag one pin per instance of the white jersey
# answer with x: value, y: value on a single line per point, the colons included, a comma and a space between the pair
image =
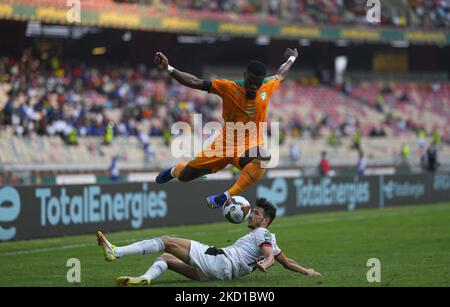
x: 247, y: 250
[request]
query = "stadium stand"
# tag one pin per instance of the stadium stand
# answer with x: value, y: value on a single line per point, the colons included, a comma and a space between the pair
x: 395, y: 13
x: 81, y: 114
x: 43, y: 101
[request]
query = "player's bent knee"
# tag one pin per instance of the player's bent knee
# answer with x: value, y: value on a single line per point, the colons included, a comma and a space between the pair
x: 244, y: 161
x: 169, y: 258
x: 190, y: 173
x: 167, y: 241
x: 263, y: 154
x: 185, y: 177
x: 170, y: 243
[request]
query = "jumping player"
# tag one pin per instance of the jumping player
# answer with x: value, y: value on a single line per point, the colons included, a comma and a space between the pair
x: 197, y: 261
x: 244, y: 102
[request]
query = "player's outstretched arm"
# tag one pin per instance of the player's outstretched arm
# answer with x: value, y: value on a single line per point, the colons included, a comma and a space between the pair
x: 294, y: 266
x: 290, y: 55
x: 268, y: 261
x: 183, y: 78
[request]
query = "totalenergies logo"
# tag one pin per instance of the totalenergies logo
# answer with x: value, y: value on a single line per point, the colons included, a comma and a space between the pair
x: 9, y: 211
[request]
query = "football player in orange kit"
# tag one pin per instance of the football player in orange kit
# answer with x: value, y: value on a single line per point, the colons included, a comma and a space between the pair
x: 244, y: 102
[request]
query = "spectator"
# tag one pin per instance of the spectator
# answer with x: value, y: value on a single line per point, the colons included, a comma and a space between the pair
x: 404, y: 97
x: 294, y: 153
x: 347, y: 88
x: 334, y: 139
x: 377, y: 132
x: 405, y: 154
x: 324, y: 166
x: 362, y: 163
x: 114, y: 169
x: 148, y: 152
x: 421, y: 139
x: 386, y: 90
x: 109, y: 134
x: 436, y: 136
x: 379, y: 104
x: 146, y: 145
x: 429, y: 160
x: 72, y: 137
x: 357, y: 139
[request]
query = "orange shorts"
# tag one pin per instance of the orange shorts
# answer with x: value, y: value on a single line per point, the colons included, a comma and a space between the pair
x: 217, y: 156
x: 207, y: 160
x: 213, y: 163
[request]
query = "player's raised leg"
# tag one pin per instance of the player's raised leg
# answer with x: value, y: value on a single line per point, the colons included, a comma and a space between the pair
x: 190, y: 173
x: 250, y: 174
x: 170, y: 173
x: 175, y: 246
x: 112, y: 252
x: 109, y: 250
x: 182, y: 171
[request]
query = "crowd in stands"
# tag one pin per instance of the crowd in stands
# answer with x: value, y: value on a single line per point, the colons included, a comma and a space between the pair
x: 53, y: 97
x: 71, y: 99
x: 430, y: 13
x: 417, y: 101
x: 425, y: 14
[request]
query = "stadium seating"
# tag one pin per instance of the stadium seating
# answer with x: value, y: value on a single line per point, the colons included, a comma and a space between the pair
x: 417, y: 13
x: 425, y: 105
x: 91, y: 154
x: 35, y: 123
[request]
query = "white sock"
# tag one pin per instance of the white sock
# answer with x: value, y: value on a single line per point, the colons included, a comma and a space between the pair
x: 143, y: 247
x: 158, y: 267
x: 171, y: 172
x: 227, y: 194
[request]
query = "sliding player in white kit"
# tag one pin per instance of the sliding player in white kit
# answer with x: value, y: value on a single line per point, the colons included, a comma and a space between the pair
x: 197, y: 261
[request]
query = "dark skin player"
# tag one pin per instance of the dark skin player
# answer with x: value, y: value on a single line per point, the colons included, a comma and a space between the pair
x: 252, y: 84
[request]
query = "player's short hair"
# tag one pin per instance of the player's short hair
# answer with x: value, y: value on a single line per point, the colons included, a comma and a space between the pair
x: 257, y: 68
x: 269, y: 210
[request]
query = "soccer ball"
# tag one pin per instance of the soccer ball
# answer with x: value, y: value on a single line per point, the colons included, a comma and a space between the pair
x: 236, y: 209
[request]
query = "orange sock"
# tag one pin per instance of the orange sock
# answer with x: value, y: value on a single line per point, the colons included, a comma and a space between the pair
x: 250, y: 174
x: 178, y: 168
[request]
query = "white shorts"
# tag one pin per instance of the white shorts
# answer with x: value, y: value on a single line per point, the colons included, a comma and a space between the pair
x: 210, y: 267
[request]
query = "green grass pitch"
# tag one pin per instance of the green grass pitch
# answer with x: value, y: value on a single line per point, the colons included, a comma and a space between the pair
x: 412, y: 244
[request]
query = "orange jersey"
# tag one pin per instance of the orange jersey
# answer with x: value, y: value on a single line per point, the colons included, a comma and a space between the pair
x: 237, y: 108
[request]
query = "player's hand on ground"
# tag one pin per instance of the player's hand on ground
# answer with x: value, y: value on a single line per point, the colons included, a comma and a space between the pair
x: 311, y: 272
x: 161, y: 61
x: 290, y: 52
x: 259, y: 266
